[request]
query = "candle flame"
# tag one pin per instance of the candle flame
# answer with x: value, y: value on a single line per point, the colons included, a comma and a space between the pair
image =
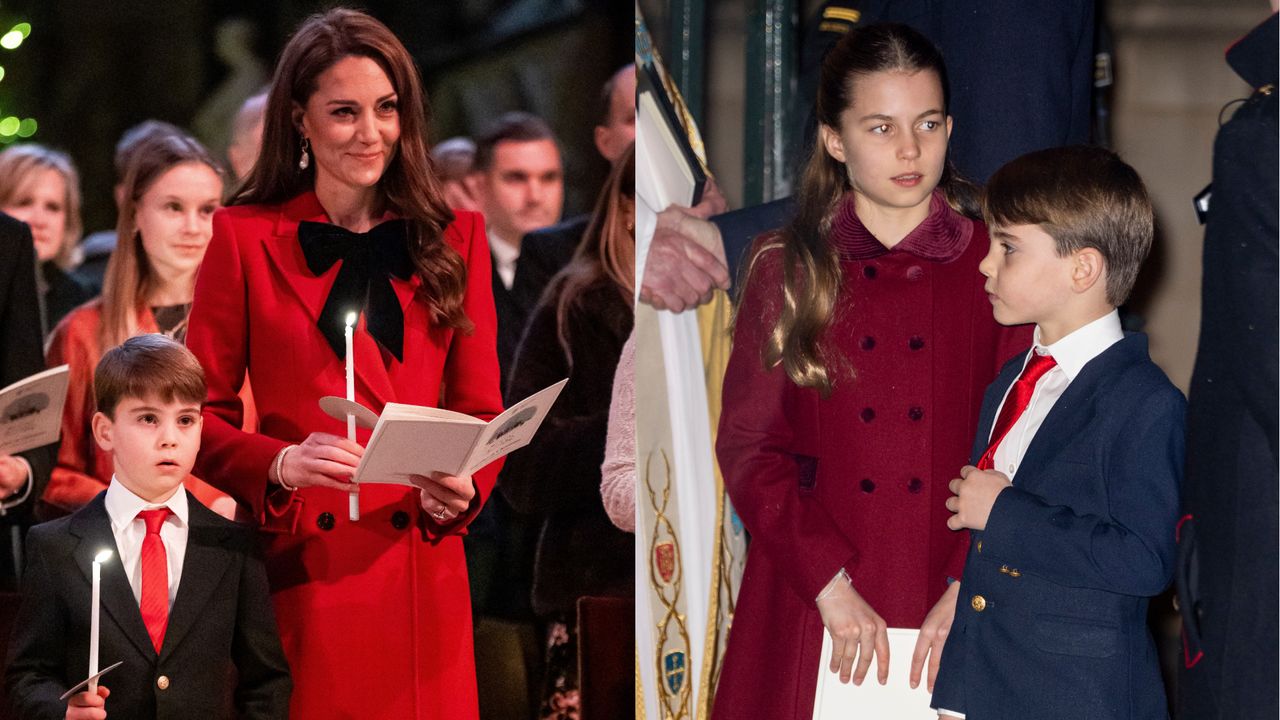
x: 351, y: 319
x: 102, y: 556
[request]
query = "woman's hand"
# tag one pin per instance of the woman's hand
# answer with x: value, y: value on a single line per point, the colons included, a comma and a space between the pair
x: 854, y: 626
x: 13, y: 475
x: 444, y: 497
x: 933, y: 635
x: 322, y: 460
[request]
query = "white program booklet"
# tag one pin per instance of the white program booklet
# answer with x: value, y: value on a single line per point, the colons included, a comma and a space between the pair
x: 416, y: 440
x: 871, y: 700
x: 31, y: 410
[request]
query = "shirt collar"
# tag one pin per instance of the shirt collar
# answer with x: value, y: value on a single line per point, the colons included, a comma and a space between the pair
x: 503, y: 252
x: 123, y: 505
x: 1080, y: 346
x: 941, y: 237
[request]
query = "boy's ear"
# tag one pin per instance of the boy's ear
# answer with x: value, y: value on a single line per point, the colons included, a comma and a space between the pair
x: 1087, y: 269
x: 103, y: 428
x: 831, y: 142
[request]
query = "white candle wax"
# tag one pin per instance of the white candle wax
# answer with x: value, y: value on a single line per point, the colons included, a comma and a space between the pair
x: 94, y: 608
x: 353, y: 500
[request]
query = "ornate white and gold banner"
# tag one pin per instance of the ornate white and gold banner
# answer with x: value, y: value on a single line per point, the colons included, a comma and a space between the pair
x: 690, y: 549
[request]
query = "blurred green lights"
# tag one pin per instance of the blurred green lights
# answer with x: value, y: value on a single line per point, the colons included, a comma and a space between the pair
x: 23, y: 28
x: 27, y: 128
x: 11, y: 40
x: 9, y: 126
x: 1, y: 72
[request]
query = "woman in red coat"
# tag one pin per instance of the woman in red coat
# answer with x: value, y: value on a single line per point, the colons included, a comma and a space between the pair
x: 862, y: 346
x: 342, y: 213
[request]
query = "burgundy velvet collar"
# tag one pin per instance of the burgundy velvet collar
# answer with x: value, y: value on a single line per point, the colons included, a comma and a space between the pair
x: 942, y: 237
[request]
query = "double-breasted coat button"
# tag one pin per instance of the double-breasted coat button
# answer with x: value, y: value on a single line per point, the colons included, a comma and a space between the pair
x: 915, y: 272
x: 162, y: 682
x: 325, y: 521
x: 868, y: 414
x: 916, y: 342
x: 867, y: 342
x: 978, y: 603
x: 868, y: 485
x: 915, y: 485
x: 869, y: 272
x: 399, y: 519
x: 915, y: 413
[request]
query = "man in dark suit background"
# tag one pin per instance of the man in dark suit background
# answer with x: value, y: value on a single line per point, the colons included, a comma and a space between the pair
x: 22, y: 476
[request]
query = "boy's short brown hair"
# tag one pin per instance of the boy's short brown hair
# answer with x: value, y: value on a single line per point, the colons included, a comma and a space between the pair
x: 1083, y: 197
x: 147, y: 366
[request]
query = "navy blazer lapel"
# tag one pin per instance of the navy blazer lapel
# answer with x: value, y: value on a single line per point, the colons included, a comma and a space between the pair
x: 1075, y: 409
x: 93, y: 526
x: 203, y: 566
x: 991, y: 404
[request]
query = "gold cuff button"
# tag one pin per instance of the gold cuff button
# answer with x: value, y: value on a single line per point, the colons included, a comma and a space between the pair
x: 979, y: 603
x: 162, y: 682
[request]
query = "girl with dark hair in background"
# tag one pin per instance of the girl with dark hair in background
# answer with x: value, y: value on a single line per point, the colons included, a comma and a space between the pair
x: 344, y: 212
x: 862, y: 344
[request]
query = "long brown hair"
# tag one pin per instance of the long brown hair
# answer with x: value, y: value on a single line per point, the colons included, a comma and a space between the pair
x: 608, y: 247
x: 18, y: 163
x: 129, y: 279
x: 409, y: 185
x: 811, y: 267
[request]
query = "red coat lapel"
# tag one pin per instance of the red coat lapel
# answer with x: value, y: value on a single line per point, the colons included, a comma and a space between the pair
x: 312, y: 291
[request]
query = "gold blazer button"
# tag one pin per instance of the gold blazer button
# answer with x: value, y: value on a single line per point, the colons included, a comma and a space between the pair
x: 979, y: 603
x: 162, y: 682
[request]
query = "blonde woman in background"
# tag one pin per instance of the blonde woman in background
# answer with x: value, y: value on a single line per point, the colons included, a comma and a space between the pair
x: 41, y: 187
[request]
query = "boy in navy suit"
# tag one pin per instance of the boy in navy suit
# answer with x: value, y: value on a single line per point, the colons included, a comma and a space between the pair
x: 184, y: 595
x: 1073, y: 502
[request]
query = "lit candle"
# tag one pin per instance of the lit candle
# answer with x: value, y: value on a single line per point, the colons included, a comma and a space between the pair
x: 353, y: 500
x: 98, y: 559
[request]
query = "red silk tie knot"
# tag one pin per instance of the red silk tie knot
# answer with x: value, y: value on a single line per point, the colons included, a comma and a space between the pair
x: 154, y: 604
x: 1016, y: 403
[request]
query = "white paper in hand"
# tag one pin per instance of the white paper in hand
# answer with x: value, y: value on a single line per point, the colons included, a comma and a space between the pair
x: 871, y: 700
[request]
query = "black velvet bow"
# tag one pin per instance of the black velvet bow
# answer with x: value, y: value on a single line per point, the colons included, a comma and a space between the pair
x: 369, y: 261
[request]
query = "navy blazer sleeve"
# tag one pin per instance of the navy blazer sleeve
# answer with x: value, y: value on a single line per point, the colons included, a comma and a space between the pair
x: 263, y: 683
x: 1132, y: 551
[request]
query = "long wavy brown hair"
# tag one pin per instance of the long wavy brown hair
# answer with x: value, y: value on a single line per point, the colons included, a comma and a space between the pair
x: 608, y: 247
x: 129, y: 279
x: 811, y: 267
x: 409, y: 185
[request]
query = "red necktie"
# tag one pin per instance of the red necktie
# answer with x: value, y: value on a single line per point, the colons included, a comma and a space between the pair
x: 1016, y: 402
x: 155, y: 577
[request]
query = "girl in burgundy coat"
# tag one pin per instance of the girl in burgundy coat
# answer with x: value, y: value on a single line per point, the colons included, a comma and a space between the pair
x: 862, y: 345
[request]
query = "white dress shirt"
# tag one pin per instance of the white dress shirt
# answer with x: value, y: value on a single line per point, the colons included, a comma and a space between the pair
x: 1072, y: 353
x: 129, y: 530
x: 504, y: 256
